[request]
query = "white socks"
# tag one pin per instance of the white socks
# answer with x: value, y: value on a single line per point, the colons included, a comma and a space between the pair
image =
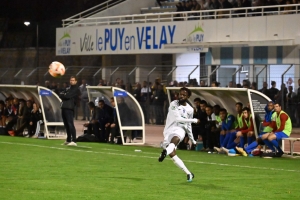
x: 178, y: 162
x: 170, y: 148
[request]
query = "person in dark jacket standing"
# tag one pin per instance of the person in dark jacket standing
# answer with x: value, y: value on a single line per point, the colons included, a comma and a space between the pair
x: 68, y: 104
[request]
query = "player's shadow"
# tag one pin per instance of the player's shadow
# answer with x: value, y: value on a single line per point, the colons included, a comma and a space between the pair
x: 127, y: 178
x: 202, y: 186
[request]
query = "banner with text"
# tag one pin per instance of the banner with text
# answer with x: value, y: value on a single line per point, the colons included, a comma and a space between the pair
x: 129, y: 39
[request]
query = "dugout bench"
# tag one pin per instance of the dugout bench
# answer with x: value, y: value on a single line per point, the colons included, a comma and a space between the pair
x: 227, y: 97
x: 292, y: 143
x: 128, y: 111
x: 49, y: 103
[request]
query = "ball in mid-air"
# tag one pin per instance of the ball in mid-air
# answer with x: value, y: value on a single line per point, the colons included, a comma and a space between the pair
x: 56, y: 69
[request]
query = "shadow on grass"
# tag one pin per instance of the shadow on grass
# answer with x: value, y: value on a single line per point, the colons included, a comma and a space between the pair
x: 127, y: 178
x: 202, y: 186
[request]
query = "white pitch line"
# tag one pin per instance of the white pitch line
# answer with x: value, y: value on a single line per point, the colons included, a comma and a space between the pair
x: 79, y: 146
x: 130, y: 155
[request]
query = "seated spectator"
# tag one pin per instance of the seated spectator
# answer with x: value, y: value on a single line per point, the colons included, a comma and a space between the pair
x: 104, y: 118
x: 270, y: 3
x: 282, y: 130
x: 93, y: 124
x: 244, y: 4
x: 196, y: 129
x: 224, y: 5
x: 216, y: 110
x: 35, y: 121
x: 240, y: 125
x: 249, y: 132
x: 3, y: 113
x: 12, y: 106
x: 257, y: 11
x: 203, y: 120
x: 210, y: 127
x: 23, y: 118
x: 288, y: 10
x: 195, y: 6
x: 159, y: 2
x: 267, y: 126
x: 227, y: 126
x: 114, y: 125
x: 215, y: 4
x: 180, y: 8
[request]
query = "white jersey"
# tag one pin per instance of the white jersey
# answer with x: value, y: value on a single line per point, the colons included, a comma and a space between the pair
x: 179, y: 119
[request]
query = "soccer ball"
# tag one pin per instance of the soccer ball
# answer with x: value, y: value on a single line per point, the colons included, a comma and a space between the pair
x: 56, y: 69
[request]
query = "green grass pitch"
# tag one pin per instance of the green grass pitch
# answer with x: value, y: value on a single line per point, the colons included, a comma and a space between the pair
x: 44, y: 169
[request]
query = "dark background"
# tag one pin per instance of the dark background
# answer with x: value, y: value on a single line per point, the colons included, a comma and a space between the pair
x: 47, y: 13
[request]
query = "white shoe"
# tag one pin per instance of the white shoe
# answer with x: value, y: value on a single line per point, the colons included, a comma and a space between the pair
x: 65, y: 143
x: 225, y: 150
x: 72, y: 144
x: 219, y: 150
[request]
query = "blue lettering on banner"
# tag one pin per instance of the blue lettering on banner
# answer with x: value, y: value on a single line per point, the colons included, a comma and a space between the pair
x: 116, y: 39
x: 45, y: 93
x: 120, y: 94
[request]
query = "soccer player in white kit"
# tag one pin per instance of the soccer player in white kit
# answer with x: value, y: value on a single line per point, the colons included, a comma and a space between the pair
x: 179, y: 119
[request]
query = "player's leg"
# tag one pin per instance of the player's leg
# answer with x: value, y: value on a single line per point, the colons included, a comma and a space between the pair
x: 264, y: 137
x: 250, y: 136
x: 170, y: 143
x: 274, y: 138
x: 234, y: 143
x: 177, y: 161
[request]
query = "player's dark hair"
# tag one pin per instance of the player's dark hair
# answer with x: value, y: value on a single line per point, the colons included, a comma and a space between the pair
x: 101, y: 101
x: 273, y: 83
x: 188, y: 91
x: 223, y: 110
x: 209, y: 106
x: 91, y: 104
x: 73, y: 77
x: 197, y: 100
x: 217, y: 106
x: 203, y: 102
x: 239, y: 103
x: 278, y: 104
x: 246, y: 109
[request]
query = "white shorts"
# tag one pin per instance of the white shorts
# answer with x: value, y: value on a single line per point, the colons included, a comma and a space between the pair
x: 179, y: 132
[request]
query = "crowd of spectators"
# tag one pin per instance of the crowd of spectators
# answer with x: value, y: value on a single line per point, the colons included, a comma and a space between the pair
x: 18, y: 115
x: 200, y: 5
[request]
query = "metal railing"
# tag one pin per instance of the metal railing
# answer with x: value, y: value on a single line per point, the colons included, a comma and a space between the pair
x: 91, y: 11
x: 131, y: 74
x: 183, y: 16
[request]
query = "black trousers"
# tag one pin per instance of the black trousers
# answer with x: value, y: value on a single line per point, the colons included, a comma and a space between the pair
x: 145, y: 111
x: 198, y: 130
x: 94, y: 129
x: 68, y: 119
x: 213, y: 138
x: 159, y: 114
